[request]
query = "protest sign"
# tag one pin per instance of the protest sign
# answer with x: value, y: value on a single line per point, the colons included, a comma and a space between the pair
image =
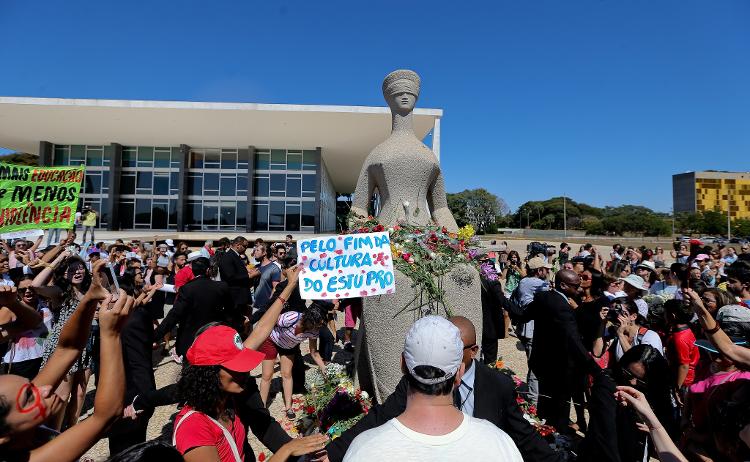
x: 38, y: 197
x: 24, y: 234
x: 352, y: 265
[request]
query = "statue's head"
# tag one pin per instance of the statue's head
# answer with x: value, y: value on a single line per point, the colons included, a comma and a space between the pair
x: 401, y: 90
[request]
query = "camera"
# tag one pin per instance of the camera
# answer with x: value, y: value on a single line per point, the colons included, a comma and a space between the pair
x: 540, y: 248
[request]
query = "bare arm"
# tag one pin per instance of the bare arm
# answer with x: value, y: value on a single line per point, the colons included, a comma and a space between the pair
x: 23, y: 316
x: 41, y: 281
x: 202, y: 454
x: 74, y: 334
x: 739, y: 355
x: 315, y: 354
x: 36, y: 244
x: 668, y: 452
x: 74, y: 442
x: 265, y: 325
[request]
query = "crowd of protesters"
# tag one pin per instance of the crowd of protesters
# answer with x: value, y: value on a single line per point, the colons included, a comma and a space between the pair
x: 646, y: 348
x: 669, y: 334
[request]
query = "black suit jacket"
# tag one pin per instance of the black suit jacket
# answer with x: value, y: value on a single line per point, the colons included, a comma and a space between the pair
x: 232, y: 271
x: 494, y: 400
x: 199, y: 302
x: 558, y: 351
x: 493, y: 325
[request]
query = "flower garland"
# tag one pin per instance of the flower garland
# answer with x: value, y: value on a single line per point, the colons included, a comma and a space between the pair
x: 333, y: 405
x: 425, y: 254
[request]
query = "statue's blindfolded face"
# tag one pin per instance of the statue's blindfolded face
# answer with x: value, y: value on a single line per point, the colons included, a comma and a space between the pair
x: 402, y: 101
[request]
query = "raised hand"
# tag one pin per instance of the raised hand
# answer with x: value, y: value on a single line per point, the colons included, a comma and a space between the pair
x: 96, y: 289
x: 292, y: 275
x: 112, y: 317
x: 629, y: 396
x: 8, y: 295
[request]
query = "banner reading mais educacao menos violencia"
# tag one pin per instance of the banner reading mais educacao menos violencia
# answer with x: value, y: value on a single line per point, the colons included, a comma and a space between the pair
x: 38, y: 197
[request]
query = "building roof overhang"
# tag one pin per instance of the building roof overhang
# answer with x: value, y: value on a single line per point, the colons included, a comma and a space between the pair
x: 346, y: 134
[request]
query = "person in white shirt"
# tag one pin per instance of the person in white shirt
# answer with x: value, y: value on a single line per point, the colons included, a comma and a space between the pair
x: 431, y: 428
x: 631, y: 329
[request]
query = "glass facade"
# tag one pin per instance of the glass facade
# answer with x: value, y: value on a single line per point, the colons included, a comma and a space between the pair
x: 148, y: 187
x: 95, y: 187
x: 287, y: 184
x: 217, y: 189
x: 284, y: 183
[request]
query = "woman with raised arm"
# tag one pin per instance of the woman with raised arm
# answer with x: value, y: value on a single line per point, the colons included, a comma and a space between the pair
x: 26, y: 405
x: 665, y: 447
x: 64, y: 282
x: 737, y: 354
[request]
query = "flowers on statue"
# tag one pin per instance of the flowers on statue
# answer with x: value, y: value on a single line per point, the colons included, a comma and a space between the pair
x: 333, y: 404
x: 425, y: 254
x: 487, y: 270
x: 466, y: 233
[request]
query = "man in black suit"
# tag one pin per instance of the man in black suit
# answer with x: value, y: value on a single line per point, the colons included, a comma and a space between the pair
x: 559, y: 355
x: 493, y: 322
x: 485, y: 394
x: 233, y: 271
x: 200, y: 301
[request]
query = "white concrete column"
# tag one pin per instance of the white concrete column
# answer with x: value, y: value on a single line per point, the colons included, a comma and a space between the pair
x: 436, y: 138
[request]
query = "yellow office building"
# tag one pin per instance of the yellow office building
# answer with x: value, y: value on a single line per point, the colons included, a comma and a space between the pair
x: 712, y: 190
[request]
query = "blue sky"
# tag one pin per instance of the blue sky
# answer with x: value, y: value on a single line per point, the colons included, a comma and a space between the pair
x: 602, y: 100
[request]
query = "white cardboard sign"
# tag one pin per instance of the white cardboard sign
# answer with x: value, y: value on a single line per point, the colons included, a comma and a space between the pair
x: 350, y: 265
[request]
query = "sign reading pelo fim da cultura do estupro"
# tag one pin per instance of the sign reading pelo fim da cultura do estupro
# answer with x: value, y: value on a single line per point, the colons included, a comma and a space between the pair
x: 351, y: 265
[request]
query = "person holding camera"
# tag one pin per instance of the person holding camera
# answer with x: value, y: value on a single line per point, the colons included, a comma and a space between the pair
x: 630, y: 328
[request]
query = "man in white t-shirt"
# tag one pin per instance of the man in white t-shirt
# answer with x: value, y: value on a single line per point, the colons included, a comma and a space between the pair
x: 431, y: 428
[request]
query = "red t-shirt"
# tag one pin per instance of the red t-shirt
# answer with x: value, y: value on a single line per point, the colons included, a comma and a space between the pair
x: 183, y: 276
x: 198, y: 430
x: 681, y: 349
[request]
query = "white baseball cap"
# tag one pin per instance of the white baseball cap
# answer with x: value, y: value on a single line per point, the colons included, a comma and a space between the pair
x: 169, y: 242
x: 192, y: 256
x: 433, y: 341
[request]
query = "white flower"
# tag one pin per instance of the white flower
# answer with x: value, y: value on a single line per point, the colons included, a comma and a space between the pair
x: 406, y: 203
x: 432, y: 255
x: 364, y: 395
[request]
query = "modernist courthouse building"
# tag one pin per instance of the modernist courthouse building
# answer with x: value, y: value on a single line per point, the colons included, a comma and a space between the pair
x: 184, y: 166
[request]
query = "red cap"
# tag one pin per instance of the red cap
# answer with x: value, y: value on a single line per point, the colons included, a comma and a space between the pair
x: 222, y: 346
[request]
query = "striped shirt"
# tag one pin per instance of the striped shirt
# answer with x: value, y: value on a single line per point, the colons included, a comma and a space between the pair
x: 283, y: 334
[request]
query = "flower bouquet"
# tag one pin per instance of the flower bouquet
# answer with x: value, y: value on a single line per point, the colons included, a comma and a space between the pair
x: 427, y: 253
x: 332, y: 405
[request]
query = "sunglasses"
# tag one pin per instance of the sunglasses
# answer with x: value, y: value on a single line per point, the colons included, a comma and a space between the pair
x: 630, y: 377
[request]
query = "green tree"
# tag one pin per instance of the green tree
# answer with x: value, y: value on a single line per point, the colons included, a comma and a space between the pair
x: 741, y: 227
x: 477, y: 207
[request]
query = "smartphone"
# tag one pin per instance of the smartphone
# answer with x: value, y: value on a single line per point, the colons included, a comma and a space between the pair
x: 112, y: 282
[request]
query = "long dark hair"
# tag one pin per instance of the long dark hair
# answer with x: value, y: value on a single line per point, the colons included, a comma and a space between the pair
x: 658, y: 388
x: 200, y: 387
x: 61, y: 280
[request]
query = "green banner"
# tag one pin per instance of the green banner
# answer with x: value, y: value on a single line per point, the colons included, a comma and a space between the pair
x: 38, y: 197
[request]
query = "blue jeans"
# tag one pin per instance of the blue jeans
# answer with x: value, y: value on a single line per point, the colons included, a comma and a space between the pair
x: 53, y: 236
